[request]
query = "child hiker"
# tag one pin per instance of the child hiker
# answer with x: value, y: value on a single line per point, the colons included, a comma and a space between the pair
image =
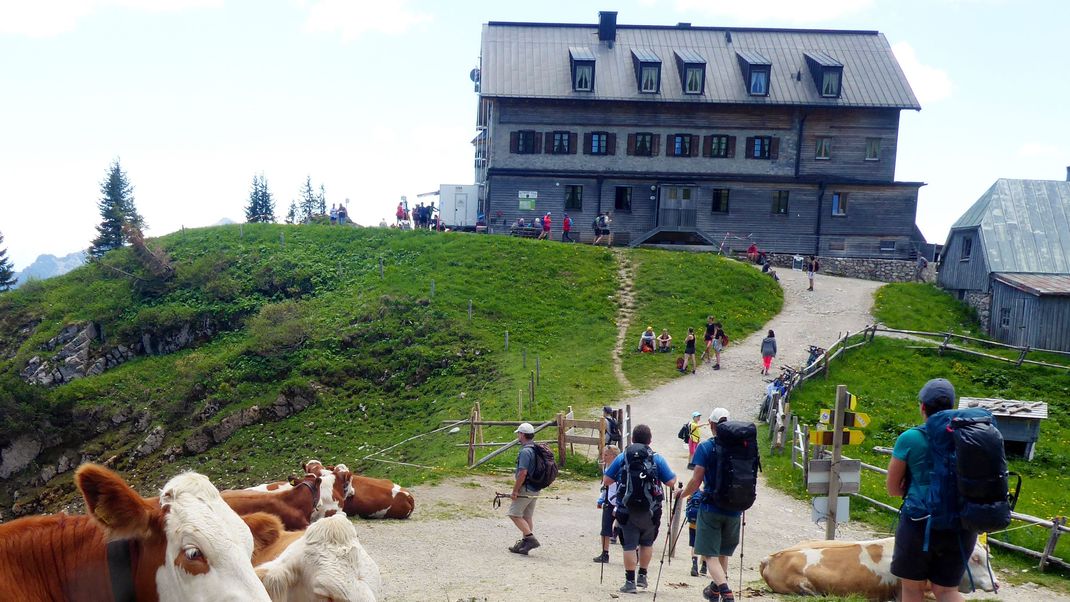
x: 605, y: 502
x: 691, y: 512
x: 768, y: 351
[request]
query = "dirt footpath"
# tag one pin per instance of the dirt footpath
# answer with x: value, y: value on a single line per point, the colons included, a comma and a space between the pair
x: 455, y: 546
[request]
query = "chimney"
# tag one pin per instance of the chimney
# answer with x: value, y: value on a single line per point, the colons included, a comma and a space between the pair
x: 607, y: 26
x: 1068, y: 173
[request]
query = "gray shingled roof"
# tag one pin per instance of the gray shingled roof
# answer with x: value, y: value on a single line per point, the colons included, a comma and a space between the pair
x: 531, y: 60
x: 1025, y: 226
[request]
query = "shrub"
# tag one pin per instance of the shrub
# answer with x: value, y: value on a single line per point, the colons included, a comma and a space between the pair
x: 278, y: 328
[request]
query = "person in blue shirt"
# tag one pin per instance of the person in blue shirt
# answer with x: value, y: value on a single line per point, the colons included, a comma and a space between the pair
x: 908, y: 477
x: 716, y: 530
x: 640, y: 529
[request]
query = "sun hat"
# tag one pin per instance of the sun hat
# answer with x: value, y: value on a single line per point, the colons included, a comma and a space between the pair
x: 525, y: 428
x: 718, y: 415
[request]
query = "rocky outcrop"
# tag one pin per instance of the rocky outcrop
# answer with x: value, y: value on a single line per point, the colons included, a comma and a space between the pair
x: 18, y: 455
x: 285, y: 404
x: 78, y: 357
x: 151, y: 443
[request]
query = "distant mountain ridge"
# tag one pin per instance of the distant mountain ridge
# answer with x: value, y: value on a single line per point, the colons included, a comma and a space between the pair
x: 47, y: 266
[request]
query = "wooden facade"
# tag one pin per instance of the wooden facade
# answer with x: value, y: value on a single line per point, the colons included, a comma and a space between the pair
x: 798, y: 178
x: 1022, y: 318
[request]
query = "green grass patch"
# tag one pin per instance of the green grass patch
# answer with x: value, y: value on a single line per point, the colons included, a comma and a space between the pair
x: 677, y: 290
x: 924, y: 307
x: 886, y: 376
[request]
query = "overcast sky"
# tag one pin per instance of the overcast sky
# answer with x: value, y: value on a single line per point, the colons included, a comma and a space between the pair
x: 373, y: 99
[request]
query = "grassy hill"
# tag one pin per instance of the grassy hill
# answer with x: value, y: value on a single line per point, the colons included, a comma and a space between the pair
x: 270, y: 314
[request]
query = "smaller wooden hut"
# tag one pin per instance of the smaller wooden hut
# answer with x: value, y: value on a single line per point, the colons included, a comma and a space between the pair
x: 1017, y: 421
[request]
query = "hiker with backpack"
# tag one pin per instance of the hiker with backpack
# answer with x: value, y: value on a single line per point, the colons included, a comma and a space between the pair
x: 952, y: 475
x: 691, y: 434
x: 812, y: 266
x: 535, y: 470
x: 642, y: 475
x: 612, y: 428
x: 605, y: 503
x: 726, y: 466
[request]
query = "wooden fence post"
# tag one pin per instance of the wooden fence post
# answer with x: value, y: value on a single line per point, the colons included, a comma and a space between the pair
x: 471, y: 437
x: 794, y: 441
x: 805, y: 453
x: 626, y: 434
x: 507, y: 340
x: 531, y: 390
x: 381, y: 276
x: 1053, y: 539
x: 282, y: 239
x: 560, y: 439
x: 538, y: 372
x: 524, y: 359
x: 519, y: 404
x: 825, y: 368
x: 469, y: 310
x: 834, y: 468
x: 479, y: 418
x: 432, y: 288
x: 601, y: 436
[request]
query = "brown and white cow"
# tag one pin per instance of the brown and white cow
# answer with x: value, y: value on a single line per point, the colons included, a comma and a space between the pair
x: 324, y: 562
x: 295, y: 506
x: 331, y: 492
x: 186, y: 545
x: 378, y: 498
x: 843, y: 568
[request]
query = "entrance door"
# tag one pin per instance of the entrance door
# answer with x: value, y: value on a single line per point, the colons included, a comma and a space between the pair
x: 1025, y: 308
x: 460, y: 209
x: 677, y: 208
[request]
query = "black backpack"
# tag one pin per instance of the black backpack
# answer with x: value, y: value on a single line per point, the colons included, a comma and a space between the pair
x: 544, y: 470
x: 640, y: 489
x: 685, y: 432
x: 736, y: 466
x: 612, y: 430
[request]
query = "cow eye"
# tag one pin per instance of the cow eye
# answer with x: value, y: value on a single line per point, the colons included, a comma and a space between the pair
x: 192, y: 553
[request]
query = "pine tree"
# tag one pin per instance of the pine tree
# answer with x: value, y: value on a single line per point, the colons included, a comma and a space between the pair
x: 321, y: 201
x: 7, y: 270
x: 291, y: 215
x: 309, y: 202
x: 116, y: 206
x: 261, y: 207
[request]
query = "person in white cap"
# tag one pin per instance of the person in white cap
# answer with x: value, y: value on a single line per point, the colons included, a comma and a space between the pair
x: 695, y: 430
x: 716, y: 530
x: 524, y: 496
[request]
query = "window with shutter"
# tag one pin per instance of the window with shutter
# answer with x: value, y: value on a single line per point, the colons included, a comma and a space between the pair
x: 873, y: 149
x: 645, y: 144
x: 717, y: 146
x: 527, y: 142
x: 839, y: 203
x: 780, y: 202
x: 823, y: 150
x: 598, y: 143
x: 560, y: 144
x: 760, y: 147
x: 680, y: 145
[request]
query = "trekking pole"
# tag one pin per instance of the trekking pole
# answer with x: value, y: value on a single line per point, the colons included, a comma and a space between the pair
x: 742, y: 534
x: 498, y: 497
x: 665, y: 548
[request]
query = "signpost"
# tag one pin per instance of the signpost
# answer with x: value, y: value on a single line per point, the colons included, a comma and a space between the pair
x: 817, y: 478
x: 836, y: 475
x: 847, y: 437
x: 858, y: 419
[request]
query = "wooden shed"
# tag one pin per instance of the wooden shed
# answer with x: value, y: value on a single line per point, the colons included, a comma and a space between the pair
x: 1017, y: 421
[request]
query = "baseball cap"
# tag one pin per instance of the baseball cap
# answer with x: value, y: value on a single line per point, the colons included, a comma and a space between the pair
x: 525, y: 428
x: 696, y: 414
x: 718, y: 414
x: 936, y: 388
x: 607, y: 409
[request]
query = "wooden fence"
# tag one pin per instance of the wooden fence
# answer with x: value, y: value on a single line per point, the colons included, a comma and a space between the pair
x: 946, y: 345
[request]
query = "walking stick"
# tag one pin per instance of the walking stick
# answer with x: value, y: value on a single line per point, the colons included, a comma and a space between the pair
x: 742, y: 534
x: 661, y: 565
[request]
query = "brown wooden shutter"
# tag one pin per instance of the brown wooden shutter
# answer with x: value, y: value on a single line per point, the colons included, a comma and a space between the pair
x: 774, y: 148
x: 514, y: 141
x: 631, y: 145
x: 655, y: 145
x: 669, y: 148
x: 731, y: 146
x: 572, y: 143
x: 587, y: 143
x: 707, y: 146
x: 694, y: 146
x: 750, y: 148
x: 611, y: 144
x: 537, y: 147
x: 549, y: 142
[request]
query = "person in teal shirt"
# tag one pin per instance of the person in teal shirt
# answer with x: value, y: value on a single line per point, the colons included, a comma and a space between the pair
x: 908, y: 477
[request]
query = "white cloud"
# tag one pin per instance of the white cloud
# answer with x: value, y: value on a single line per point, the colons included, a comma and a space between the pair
x: 352, y: 18
x: 40, y: 19
x: 930, y: 84
x: 1039, y: 150
x: 797, y: 11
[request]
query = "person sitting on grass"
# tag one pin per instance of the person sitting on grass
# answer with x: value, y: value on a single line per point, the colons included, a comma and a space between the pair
x: 665, y: 341
x: 646, y: 341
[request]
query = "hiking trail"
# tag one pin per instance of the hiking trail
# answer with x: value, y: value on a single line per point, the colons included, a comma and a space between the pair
x: 625, y: 313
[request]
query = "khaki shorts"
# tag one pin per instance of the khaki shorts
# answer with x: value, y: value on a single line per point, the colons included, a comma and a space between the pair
x: 523, y: 507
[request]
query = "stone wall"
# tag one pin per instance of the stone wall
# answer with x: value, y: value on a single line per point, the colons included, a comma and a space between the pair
x: 982, y: 302
x: 883, y: 270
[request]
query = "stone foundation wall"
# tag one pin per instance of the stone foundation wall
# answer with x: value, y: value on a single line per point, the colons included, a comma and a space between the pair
x: 883, y: 270
x: 982, y: 302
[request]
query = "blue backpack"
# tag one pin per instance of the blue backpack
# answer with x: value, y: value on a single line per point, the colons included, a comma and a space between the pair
x: 968, y: 487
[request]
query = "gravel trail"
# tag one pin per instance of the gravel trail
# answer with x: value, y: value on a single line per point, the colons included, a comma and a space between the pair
x: 454, y: 548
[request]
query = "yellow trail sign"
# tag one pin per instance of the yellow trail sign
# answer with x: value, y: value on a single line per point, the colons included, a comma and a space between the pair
x: 847, y: 437
x: 856, y: 419
x: 852, y: 401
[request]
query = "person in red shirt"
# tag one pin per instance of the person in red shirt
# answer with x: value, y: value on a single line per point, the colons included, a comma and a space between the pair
x: 752, y: 252
x: 545, y: 227
x: 566, y: 228
x: 400, y: 212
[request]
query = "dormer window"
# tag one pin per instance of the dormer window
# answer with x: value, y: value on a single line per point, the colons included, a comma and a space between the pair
x: 692, y: 69
x: 827, y: 73
x: 581, y: 61
x: 647, y: 70
x: 756, y: 72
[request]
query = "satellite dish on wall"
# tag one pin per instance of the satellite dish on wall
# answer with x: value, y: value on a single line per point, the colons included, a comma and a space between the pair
x: 474, y: 75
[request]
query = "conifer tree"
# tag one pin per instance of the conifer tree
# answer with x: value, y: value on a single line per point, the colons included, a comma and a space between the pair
x: 309, y: 201
x: 291, y: 215
x: 7, y: 270
x: 321, y: 201
x: 116, y: 207
x: 261, y: 207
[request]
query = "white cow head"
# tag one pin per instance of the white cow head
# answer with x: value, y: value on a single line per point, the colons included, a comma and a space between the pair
x: 326, y: 563
x: 206, y: 548
x: 977, y: 567
x: 326, y: 505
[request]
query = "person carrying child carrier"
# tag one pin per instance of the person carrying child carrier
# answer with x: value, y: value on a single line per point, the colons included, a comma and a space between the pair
x: 944, y: 508
x: 642, y: 474
x: 726, y: 466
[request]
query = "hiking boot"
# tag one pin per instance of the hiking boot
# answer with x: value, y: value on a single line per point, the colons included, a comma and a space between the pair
x: 515, y: 548
x: 717, y: 366
x: 528, y: 544
x: 702, y: 571
x: 603, y: 557
x: 711, y: 593
x: 726, y: 594
x: 640, y: 581
x: 694, y: 566
x: 628, y: 588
